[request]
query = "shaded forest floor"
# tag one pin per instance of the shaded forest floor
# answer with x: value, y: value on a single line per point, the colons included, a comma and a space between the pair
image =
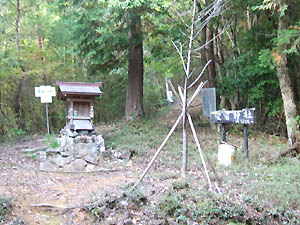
x: 253, y: 192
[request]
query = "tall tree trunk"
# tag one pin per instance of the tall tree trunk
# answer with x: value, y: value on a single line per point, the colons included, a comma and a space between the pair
x: 134, y: 99
x: 17, y: 97
x: 219, y: 63
x: 202, y: 42
x: 0, y: 95
x: 17, y: 26
x: 209, y: 53
x: 235, y: 100
x: 285, y: 80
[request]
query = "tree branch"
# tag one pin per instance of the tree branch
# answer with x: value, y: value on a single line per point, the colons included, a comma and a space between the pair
x: 180, y: 54
x: 204, y: 68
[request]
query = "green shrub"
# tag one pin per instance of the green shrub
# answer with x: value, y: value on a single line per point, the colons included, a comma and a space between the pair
x: 96, y: 211
x: 5, y: 208
x: 221, y: 210
x: 135, y: 195
x: 179, y: 185
x: 51, y: 141
x: 169, y: 204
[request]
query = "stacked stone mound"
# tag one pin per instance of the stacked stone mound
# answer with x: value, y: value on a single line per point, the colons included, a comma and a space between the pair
x: 75, y: 153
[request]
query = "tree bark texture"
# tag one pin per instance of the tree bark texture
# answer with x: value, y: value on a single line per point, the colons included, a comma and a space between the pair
x: 134, y: 99
x: 202, y: 42
x: 285, y: 80
x: 17, y: 98
x: 209, y: 53
x: 17, y: 26
x: 0, y: 95
x: 219, y: 63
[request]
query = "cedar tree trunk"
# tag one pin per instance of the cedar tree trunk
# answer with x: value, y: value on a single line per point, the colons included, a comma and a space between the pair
x: 209, y: 53
x: 134, y: 99
x: 17, y: 26
x: 17, y: 97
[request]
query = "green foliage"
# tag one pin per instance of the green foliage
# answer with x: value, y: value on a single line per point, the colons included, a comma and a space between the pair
x: 88, y: 41
x: 169, y: 204
x: 291, y: 37
x: 111, y: 106
x: 253, y: 192
x: 132, y: 197
x: 135, y: 195
x: 287, y: 172
x: 96, y: 211
x: 14, y: 133
x: 51, y: 141
x: 154, y: 97
x: 5, y: 208
x: 217, y: 209
x: 266, y: 59
x: 179, y: 185
x: 37, y: 63
x: 98, y: 34
x: 254, y: 78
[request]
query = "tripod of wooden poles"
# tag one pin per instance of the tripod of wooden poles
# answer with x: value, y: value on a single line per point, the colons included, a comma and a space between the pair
x: 190, y: 121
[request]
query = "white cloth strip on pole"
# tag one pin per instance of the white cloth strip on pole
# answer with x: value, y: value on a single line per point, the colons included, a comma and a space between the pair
x: 170, y: 97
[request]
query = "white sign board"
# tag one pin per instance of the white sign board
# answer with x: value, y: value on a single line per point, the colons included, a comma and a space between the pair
x: 46, y: 99
x: 45, y: 93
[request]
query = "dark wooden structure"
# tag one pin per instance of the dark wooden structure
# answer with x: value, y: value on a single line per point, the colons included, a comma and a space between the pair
x: 244, y: 116
x: 80, y: 109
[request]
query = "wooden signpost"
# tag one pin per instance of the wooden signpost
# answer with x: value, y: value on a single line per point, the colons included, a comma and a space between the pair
x: 45, y: 93
x: 244, y: 116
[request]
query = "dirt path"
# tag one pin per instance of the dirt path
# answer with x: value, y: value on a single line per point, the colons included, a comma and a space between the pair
x: 35, y: 191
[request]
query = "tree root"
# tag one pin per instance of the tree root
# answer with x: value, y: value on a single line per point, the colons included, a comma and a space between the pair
x: 294, y: 149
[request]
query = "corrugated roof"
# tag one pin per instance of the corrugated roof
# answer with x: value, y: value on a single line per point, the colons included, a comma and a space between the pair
x: 78, y: 88
x: 65, y: 89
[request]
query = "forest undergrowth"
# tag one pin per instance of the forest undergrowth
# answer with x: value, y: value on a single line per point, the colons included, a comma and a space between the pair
x: 254, y: 191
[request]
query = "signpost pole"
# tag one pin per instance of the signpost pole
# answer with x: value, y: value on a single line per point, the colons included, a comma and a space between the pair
x: 223, y: 132
x: 246, y: 141
x: 47, y: 119
x: 45, y: 93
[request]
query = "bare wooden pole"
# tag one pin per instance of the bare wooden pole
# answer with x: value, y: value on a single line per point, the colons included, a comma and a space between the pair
x: 199, y: 148
x: 161, y: 147
x: 185, y: 93
x: 211, y: 11
x: 200, y: 75
x: 196, y: 93
x: 184, y: 133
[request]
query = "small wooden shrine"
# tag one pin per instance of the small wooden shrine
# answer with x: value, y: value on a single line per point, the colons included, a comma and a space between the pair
x: 80, y: 109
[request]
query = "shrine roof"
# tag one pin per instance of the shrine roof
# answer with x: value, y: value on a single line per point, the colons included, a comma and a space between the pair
x: 78, y: 88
